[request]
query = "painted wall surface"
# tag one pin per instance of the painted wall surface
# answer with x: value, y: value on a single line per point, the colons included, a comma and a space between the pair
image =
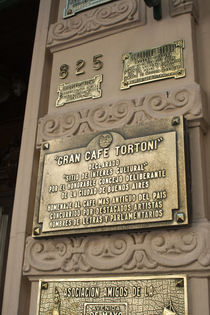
x: 111, y: 30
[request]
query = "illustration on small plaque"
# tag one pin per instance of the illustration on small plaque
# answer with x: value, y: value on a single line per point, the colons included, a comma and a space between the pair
x: 153, y: 64
x: 77, y: 91
x: 157, y: 295
x: 75, y: 6
x: 125, y: 179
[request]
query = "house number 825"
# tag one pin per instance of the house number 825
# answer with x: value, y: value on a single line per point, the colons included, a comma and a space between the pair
x: 80, y: 66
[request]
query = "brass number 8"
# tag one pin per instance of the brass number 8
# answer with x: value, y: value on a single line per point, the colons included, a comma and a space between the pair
x: 63, y: 71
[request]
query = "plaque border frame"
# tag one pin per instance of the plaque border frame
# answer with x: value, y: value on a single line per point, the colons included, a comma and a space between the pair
x: 179, y: 73
x: 117, y: 278
x: 183, y: 169
x: 69, y: 12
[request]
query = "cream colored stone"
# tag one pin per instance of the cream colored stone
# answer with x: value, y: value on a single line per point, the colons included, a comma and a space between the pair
x: 183, y: 100
x: 199, y: 296
x: 186, y: 250
x: 180, y: 251
x: 34, y: 297
x: 112, y: 48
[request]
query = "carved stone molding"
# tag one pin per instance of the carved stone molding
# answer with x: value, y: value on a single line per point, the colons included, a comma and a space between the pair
x: 182, y: 249
x: 178, y: 7
x: 109, y: 17
x: 185, y: 100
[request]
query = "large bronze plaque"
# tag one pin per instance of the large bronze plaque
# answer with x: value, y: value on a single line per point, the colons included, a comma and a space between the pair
x: 75, y: 6
x: 123, y: 179
x: 155, y: 295
x: 153, y: 64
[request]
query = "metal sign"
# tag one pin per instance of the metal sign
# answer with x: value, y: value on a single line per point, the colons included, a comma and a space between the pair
x: 153, y: 64
x: 157, y: 295
x: 125, y: 179
x: 75, y: 6
x: 77, y: 91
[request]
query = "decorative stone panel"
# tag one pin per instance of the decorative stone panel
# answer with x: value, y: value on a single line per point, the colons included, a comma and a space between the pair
x: 106, y: 19
x: 184, y: 100
x: 178, y: 7
x: 169, y: 250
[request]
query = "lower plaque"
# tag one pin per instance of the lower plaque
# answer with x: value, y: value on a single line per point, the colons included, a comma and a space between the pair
x: 154, y: 295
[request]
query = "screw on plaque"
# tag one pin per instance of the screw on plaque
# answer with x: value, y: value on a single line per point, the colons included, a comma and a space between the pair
x: 180, y: 217
x: 46, y: 146
x: 37, y: 230
x: 180, y: 283
x: 175, y: 121
x: 44, y: 285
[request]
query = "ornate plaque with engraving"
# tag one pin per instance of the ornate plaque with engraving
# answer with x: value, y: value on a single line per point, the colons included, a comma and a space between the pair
x: 153, y: 64
x: 75, y: 6
x: 156, y: 295
x: 123, y: 179
x: 77, y: 91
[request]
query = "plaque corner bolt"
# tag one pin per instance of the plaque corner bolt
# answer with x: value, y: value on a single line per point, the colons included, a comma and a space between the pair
x: 44, y: 285
x: 46, y: 146
x: 180, y: 217
x: 175, y: 121
x: 36, y: 230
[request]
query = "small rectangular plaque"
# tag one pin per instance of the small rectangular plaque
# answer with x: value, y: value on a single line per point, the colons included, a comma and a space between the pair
x: 153, y: 64
x: 75, y: 6
x: 125, y: 179
x: 156, y: 295
x: 77, y: 91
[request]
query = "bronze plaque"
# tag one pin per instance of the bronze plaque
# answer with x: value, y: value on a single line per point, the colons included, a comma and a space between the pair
x: 155, y: 295
x: 77, y: 91
x: 123, y: 179
x: 75, y: 6
x: 153, y: 64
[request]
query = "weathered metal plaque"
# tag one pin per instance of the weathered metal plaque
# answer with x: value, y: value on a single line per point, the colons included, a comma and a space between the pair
x: 75, y: 6
x: 155, y: 295
x: 81, y: 90
x: 124, y: 179
x: 153, y: 64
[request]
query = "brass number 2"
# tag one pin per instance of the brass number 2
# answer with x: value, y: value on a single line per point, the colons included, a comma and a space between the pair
x: 79, y: 65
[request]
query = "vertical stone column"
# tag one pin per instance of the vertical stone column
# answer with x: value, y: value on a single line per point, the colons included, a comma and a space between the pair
x: 111, y: 30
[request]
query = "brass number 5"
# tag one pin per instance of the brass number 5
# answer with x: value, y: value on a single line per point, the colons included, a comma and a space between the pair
x: 97, y: 64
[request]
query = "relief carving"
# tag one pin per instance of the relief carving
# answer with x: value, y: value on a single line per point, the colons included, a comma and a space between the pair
x: 187, y: 249
x: 178, y: 7
x: 108, y: 17
x: 185, y: 101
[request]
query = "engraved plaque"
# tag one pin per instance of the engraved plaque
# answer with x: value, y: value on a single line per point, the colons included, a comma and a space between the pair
x: 81, y: 90
x: 153, y: 64
x: 156, y: 295
x: 75, y: 6
x: 123, y: 179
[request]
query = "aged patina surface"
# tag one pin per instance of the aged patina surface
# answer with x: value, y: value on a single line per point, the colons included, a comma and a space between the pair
x: 157, y: 295
x: 116, y: 180
x: 72, y: 92
x: 153, y: 64
x: 75, y: 6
